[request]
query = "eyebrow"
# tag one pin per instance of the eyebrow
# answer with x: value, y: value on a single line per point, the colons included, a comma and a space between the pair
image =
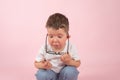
x: 56, y: 34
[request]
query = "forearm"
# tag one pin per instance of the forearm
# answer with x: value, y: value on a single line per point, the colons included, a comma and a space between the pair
x: 43, y: 65
x: 74, y: 63
x: 38, y: 65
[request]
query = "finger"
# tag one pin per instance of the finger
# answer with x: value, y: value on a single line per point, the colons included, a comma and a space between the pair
x: 62, y: 58
x: 66, y: 55
x: 49, y: 65
x: 46, y: 63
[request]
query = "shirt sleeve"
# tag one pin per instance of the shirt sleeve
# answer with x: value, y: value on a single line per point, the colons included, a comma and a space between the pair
x: 74, y: 53
x: 40, y: 55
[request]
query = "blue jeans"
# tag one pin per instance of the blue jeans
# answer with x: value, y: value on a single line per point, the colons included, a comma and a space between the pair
x: 67, y: 73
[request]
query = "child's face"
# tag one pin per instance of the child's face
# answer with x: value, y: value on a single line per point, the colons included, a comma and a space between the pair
x: 57, y: 38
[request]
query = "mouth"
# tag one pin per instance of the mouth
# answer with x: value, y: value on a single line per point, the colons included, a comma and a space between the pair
x: 56, y: 46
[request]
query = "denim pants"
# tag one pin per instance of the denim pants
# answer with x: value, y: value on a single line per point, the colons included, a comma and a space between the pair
x: 67, y: 73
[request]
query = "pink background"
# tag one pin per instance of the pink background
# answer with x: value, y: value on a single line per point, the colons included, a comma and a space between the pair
x: 94, y: 29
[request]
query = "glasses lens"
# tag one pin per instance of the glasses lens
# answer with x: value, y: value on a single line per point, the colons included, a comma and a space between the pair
x: 54, y: 53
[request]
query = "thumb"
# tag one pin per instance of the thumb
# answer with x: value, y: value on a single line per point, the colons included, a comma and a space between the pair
x: 46, y: 63
x: 62, y: 58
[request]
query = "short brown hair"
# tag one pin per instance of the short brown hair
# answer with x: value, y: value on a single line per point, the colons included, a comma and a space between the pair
x: 58, y: 20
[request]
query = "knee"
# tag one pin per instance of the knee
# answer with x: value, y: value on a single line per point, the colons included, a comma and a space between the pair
x: 41, y: 74
x: 70, y: 71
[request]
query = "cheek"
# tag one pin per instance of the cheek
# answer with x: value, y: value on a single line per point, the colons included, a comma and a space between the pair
x: 63, y: 41
x: 49, y: 41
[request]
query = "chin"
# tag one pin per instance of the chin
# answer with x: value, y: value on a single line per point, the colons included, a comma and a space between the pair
x: 56, y: 47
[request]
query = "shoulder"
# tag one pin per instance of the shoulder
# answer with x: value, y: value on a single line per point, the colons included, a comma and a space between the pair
x: 72, y: 46
x: 73, y: 49
x: 74, y: 52
x: 42, y: 48
x: 45, y: 47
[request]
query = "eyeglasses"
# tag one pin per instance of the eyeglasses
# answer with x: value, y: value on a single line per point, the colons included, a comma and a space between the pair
x: 55, y: 53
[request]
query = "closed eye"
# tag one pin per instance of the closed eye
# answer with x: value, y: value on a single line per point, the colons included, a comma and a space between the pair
x: 50, y: 36
x: 59, y: 36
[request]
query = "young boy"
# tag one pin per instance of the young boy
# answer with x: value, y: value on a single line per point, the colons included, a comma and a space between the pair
x: 57, y: 59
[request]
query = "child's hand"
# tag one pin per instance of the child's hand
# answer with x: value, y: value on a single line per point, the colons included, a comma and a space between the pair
x: 47, y: 65
x: 66, y: 58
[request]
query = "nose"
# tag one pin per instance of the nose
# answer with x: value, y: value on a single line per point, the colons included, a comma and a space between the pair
x: 55, y: 39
